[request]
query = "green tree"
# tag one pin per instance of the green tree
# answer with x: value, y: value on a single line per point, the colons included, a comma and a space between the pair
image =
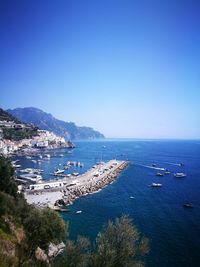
x: 76, y: 254
x: 119, y: 245
x: 42, y: 227
x: 7, y: 182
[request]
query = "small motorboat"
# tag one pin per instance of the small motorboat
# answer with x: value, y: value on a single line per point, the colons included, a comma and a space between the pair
x: 132, y: 197
x: 75, y: 173
x: 179, y: 175
x: 156, y: 185
x: 159, y: 174
x: 187, y: 205
x: 78, y: 211
x: 58, y: 171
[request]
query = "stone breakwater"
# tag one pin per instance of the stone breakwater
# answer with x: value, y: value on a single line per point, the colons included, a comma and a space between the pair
x: 90, y: 182
x: 92, y: 186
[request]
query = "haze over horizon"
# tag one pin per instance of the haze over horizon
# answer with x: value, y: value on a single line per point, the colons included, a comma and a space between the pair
x: 126, y: 68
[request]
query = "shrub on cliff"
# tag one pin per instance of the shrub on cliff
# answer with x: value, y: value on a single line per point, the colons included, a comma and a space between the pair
x: 76, y: 254
x: 119, y: 244
x: 42, y: 227
x: 7, y: 183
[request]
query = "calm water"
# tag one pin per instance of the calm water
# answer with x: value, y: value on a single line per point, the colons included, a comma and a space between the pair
x: 173, y: 231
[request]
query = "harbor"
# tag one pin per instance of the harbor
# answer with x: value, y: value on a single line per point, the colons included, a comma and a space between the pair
x: 64, y: 191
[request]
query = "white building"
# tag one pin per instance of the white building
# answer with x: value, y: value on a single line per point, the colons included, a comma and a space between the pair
x: 48, y: 185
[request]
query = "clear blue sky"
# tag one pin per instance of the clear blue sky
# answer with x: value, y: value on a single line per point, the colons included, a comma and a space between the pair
x: 126, y: 68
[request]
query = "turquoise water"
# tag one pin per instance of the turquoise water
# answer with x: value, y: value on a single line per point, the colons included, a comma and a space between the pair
x: 173, y: 231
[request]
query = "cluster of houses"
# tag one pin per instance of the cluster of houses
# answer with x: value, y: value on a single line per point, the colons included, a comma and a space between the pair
x: 14, y: 125
x: 43, y: 139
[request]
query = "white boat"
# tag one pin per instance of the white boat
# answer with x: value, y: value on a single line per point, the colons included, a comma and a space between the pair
x: 132, y: 197
x: 79, y: 211
x: 179, y: 174
x: 31, y: 177
x: 159, y: 174
x: 31, y: 170
x: 47, y: 156
x: 75, y: 173
x: 16, y: 165
x: 156, y: 185
x: 27, y: 170
x: 66, y: 167
x: 15, y: 161
x: 58, y: 171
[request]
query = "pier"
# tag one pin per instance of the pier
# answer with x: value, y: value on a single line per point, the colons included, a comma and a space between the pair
x: 70, y: 188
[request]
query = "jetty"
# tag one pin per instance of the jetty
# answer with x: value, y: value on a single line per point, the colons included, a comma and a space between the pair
x: 46, y: 194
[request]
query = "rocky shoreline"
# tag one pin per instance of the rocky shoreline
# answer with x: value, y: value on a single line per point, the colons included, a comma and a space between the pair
x: 94, y: 186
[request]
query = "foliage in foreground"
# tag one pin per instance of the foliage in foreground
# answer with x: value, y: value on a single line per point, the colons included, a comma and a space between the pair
x: 119, y: 244
x: 7, y: 183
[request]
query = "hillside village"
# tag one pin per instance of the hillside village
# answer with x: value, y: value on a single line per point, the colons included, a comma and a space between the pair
x: 16, y: 136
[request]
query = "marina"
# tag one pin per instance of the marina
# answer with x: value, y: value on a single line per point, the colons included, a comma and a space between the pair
x: 71, y: 187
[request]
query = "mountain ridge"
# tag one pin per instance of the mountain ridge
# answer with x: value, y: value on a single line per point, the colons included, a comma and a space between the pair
x: 47, y: 121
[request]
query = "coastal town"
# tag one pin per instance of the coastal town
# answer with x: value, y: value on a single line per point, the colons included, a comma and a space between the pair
x: 42, y: 139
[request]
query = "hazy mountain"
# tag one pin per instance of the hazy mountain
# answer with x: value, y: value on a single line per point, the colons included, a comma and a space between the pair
x: 46, y: 121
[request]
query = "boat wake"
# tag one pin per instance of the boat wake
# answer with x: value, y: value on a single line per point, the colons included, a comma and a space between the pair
x: 175, y: 164
x: 155, y: 168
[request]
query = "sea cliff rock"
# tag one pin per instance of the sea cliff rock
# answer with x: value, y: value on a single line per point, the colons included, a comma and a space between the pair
x: 55, y: 250
x: 41, y: 255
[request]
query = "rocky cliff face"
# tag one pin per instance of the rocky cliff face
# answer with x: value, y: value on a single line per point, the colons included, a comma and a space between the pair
x: 46, y: 121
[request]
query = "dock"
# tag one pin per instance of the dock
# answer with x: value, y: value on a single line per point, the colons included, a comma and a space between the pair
x: 70, y: 188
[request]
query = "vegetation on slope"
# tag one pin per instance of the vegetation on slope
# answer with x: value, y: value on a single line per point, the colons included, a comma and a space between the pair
x: 19, y: 134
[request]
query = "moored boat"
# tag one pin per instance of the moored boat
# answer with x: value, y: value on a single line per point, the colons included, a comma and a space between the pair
x: 156, y: 185
x: 58, y: 171
x: 159, y: 174
x: 78, y: 211
x: 30, y: 177
x: 180, y: 175
x: 187, y: 205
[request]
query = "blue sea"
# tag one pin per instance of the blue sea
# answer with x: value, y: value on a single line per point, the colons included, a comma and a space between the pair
x: 158, y: 213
